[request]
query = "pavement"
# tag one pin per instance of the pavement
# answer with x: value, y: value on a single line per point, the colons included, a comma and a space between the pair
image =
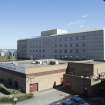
x: 2, y: 95
x: 44, y: 98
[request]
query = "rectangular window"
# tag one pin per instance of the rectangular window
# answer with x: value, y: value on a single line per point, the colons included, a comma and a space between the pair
x: 70, y: 45
x: 83, y: 44
x: 55, y: 51
x: 60, y: 51
x: 65, y: 45
x: 71, y: 51
x: 77, y: 51
x: 60, y: 45
x: 43, y: 50
x: 65, y: 51
x: 83, y: 37
x: 77, y: 45
x: 77, y: 37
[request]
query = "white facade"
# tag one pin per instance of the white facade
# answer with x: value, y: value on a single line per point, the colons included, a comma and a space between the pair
x: 82, y: 45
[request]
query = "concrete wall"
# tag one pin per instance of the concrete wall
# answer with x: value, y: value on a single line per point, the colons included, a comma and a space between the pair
x: 45, y: 81
x: 99, y: 69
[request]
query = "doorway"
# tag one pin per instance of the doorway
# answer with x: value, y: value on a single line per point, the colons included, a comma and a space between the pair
x: 34, y: 87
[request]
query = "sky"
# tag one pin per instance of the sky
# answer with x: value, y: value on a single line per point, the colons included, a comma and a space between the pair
x: 27, y: 18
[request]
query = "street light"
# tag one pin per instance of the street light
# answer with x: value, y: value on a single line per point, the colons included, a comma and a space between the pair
x: 14, y: 99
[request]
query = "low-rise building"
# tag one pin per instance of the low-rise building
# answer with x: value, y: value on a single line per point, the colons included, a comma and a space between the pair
x: 8, y: 52
x: 30, y: 77
x: 84, y: 77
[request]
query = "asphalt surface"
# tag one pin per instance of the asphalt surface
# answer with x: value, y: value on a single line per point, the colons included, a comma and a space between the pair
x: 44, y: 98
x: 2, y: 95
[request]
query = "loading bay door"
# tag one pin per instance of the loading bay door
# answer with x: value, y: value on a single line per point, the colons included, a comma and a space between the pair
x: 34, y: 87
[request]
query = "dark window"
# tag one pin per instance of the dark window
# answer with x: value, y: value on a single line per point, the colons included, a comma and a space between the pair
x: 84, y: 50
x: 43, y: 50
x: 65, y: 45
x: 77, y: 37
x: 70, y: 45
x: 60, y: 45
x: 55, y: 56
x: 60, y: 51
x: 71, y: 38
x: 55, y: 51
x: 77, y: 51
x: 60, y: 39
x: 65, y: 38
x: 65, y: 51
x: 77, y: 45
x: 71, y: 51
x: 83, y: 44
x: 83, y: 37
x: 55, y: 45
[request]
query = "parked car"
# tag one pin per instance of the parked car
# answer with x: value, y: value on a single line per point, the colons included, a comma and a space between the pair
x: 69, y: 103
x: 74, y: 100
x: 78, y: 100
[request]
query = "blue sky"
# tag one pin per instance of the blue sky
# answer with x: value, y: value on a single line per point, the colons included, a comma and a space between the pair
x: 27, y: 18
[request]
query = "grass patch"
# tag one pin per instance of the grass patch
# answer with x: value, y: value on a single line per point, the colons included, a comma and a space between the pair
x: 22, y: 97
x: 7, y: 58
x: 14, y: 93
x: 4, y: 90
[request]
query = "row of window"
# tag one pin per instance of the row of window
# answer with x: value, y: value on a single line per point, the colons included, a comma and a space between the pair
x: 69, y: 51
x: 62, y: 38
x: 38, y: 50
x: 61, y: 51
x: 72, y: 38
x: 63, y: 45
x: 71, y: 45
x: 68, y: 38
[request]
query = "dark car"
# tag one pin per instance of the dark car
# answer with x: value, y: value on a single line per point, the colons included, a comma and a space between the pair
x: 78, y: 100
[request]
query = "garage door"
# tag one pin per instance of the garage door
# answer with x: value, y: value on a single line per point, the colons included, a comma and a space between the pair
x: 34, y: 87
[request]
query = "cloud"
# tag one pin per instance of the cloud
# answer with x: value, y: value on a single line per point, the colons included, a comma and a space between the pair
x: 76, y: 22
x: 82, y: 26
x: 79, y: 22
x: 84, y: 16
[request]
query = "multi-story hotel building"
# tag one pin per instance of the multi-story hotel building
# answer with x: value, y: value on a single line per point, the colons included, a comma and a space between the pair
x: 60, y: 44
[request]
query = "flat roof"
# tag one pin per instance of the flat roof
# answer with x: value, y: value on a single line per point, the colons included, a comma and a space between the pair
x: 68, y: 33
x: 29, y: 68
x: 88, y: 62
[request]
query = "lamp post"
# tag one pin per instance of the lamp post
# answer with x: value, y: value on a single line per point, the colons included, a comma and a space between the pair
x: 14, y: 99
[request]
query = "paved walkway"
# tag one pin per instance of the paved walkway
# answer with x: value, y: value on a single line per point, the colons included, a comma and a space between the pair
x: 2, y: 95
x: 44, y: 98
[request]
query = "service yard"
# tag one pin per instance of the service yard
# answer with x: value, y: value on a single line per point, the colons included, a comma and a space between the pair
x: 50, y: 96
x: 44, y: 98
